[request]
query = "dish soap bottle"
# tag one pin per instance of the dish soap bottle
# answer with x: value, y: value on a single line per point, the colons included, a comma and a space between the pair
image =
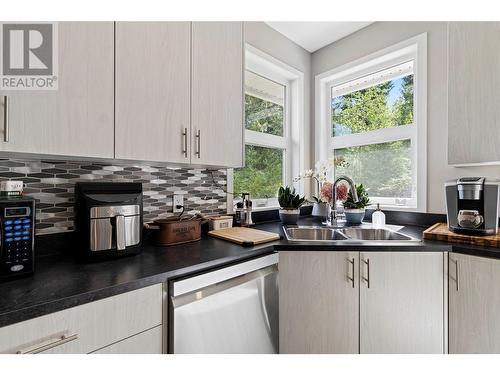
x: 378, y: 218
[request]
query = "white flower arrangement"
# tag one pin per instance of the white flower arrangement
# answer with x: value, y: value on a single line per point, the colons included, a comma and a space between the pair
x: 319, y: 174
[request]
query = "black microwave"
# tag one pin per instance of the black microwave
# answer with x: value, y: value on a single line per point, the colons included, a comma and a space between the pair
x: 17, y: 236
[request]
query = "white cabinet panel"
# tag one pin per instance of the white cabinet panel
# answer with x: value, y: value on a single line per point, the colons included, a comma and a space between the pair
x: 153, y: 91
x: 217, y: 94
x: 319, y: 302
x: 473, y: 91
x: 77, y: 119
x: 402, y: 304
x: 474, y: 304
x: 95, y: 324
x: 148, y: 342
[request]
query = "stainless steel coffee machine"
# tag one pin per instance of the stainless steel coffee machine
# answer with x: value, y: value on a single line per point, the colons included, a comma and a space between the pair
x: 472, y: 204
x: 108, y: 219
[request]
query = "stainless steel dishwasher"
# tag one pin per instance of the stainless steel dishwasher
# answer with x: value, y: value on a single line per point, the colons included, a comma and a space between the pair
x: 230, y: 310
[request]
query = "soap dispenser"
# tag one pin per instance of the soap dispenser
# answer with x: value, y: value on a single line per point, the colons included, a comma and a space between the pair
x: 378, y: 218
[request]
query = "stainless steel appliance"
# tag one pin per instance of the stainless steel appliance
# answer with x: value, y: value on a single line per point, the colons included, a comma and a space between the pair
x: 472, y: 205
x: 230, y: 310
x: 17, y: 236
x: 108, y: 219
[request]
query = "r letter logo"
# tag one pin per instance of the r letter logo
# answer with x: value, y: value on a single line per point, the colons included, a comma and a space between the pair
x: 29, y: 56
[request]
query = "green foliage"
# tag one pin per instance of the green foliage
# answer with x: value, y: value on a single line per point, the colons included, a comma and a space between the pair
x: 288, y: 198
x: 363, y: 199
x: 262, y: 175
x: 263, y: 116
x: 362, y: 110
x: 403, y: 107
x: 263, y: 172
x: 384, y: 168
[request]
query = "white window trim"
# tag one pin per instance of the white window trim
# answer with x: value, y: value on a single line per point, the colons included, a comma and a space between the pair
x: 414, y: 48
x: 293, y: 141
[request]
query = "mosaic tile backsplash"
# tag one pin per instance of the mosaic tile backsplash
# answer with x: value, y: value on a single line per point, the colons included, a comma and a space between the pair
x: 52, y: 184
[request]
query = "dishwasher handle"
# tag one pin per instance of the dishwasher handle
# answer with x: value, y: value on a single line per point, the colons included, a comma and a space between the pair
x: 196, y: 283
x: 196, y: 295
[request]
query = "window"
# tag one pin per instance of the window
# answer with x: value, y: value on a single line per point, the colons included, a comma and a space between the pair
x: 376, y: 124
x: 271, y: 90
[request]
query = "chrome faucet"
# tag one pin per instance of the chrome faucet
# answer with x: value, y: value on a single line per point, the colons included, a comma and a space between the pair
x: 352, y: 187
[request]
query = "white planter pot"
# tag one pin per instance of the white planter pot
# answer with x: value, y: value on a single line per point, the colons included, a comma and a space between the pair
x: 289, y: 217
x: 321, y: 209
x: 354, y: 216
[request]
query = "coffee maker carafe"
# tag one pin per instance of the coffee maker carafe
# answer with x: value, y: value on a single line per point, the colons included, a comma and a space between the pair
x: 108, y: 219
x: 472, y: 205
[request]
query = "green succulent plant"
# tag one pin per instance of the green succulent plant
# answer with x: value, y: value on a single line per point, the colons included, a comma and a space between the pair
x: 363, y: 198
x: 289, y: 199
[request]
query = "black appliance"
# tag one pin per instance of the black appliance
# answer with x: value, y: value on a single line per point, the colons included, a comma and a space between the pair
x: 108, y: 219
x: 17, y: 237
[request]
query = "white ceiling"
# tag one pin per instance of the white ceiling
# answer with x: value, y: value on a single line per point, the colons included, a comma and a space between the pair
x: 315, y: 35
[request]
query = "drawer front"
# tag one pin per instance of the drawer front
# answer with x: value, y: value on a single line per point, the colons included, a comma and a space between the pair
x: 149, y: 342
x: 88, y: 327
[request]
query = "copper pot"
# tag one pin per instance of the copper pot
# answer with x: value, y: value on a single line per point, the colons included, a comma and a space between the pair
x: 175, y: 230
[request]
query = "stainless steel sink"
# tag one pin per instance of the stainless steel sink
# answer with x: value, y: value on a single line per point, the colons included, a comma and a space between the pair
x: 313, y: 234
x: 370, y: 234
x: 355, y: 235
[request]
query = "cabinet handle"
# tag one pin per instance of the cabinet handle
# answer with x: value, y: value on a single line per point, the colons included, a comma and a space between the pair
x: 457, y: 274
x: 198, y: 143
x: 51, y: 343
x: 185, y: 137
x: 367, y: 278
x: 351, y: 279
x: 6, y: 119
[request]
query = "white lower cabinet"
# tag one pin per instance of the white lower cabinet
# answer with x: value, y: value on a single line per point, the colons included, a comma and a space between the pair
x: 401, y: 302
x: 474, y: 304
x: 90, y: 327
x: 318, y: 302
x: 351, y: 302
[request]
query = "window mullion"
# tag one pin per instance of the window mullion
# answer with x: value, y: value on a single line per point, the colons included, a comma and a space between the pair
x: 374, y: 137
x: 265, y: 140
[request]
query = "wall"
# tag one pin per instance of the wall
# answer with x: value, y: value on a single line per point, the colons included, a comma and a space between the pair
x: 268, y: 40
x: 383, y: 34
x: 52, y: 184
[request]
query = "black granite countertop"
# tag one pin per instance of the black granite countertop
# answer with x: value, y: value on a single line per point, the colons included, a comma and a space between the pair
x: 61, y: 282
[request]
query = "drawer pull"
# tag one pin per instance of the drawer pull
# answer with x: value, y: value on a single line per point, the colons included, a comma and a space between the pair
x: 52, y: 343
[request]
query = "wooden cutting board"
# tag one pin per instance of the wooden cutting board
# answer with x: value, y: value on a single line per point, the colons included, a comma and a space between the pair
x: 244, y: 236
x: 440, y: 232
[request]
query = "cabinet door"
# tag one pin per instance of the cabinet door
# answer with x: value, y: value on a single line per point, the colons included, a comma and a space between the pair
x: 77, y: 118
x: 152, y: 91
x: 217, y: 93
x: 474, y: 304
x: 401, y: 302
x: 318, y: 302
x: 148, y: 342
x: 473, y: 90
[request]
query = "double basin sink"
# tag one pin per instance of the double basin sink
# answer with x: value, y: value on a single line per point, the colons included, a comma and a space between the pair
x: 346, y: 234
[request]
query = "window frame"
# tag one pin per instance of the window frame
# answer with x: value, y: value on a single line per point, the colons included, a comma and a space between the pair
x: 292, y: 141
x: 413, y: 49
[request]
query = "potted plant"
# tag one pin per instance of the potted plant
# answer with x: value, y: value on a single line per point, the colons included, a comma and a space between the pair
x: 355, y: 211
x: 290, y: 202
x: 321, y: 201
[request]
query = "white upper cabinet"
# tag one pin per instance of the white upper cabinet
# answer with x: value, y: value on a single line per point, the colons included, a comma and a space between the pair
x: 77, y: 119
x: 153, y: 91
x: 473, y: 91
x: 217, y: 93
